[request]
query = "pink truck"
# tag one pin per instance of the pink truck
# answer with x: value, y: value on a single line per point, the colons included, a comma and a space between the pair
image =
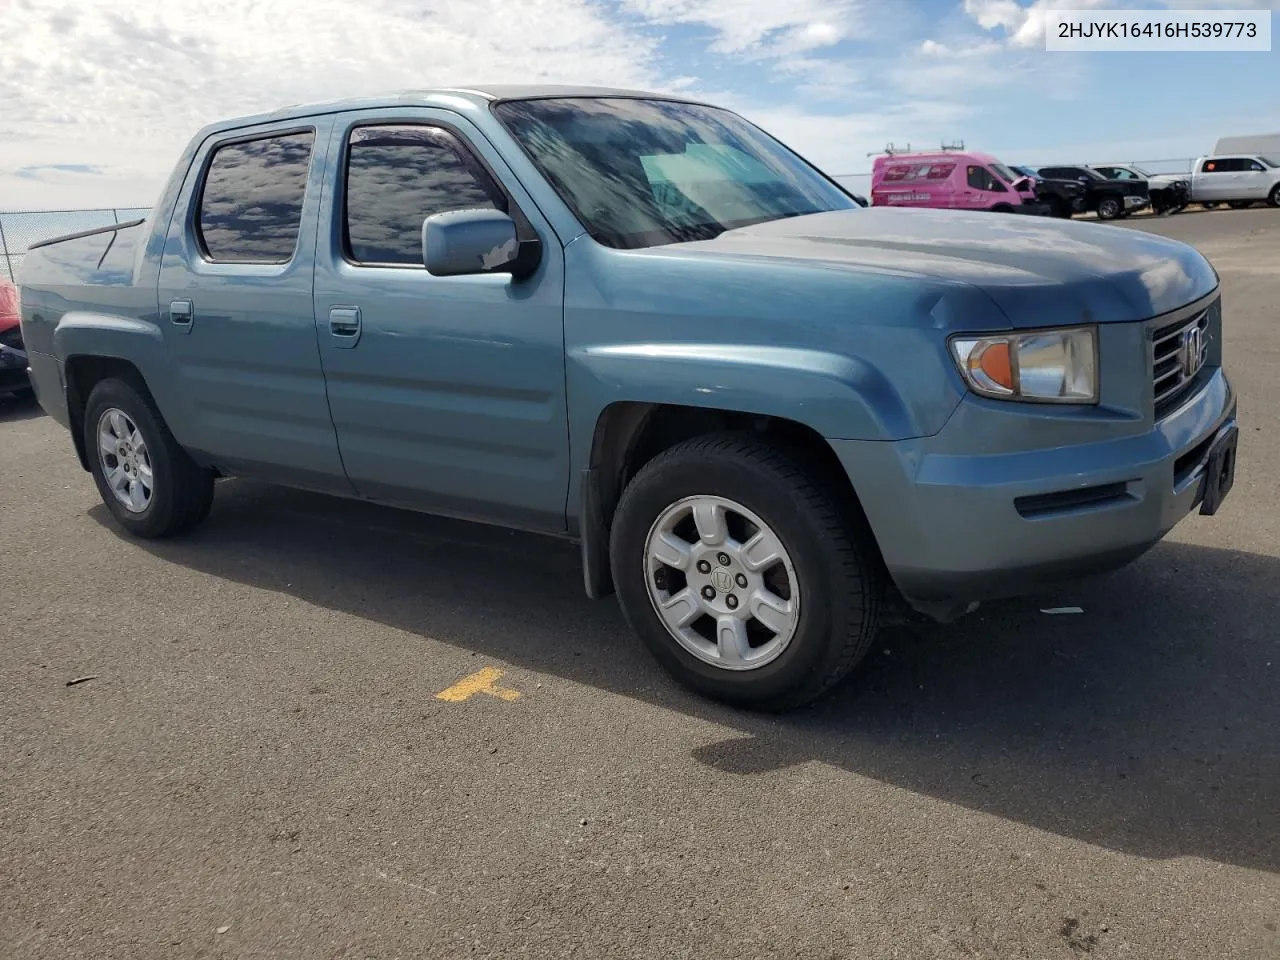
x: 953, y: 180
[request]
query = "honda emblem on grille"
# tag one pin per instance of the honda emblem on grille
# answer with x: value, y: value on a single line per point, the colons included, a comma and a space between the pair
x: 1191, y: 351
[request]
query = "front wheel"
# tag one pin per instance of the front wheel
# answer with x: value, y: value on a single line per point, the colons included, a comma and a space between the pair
x: 743, y: 573
x: 1273, y: 197
x: 1109, y: 208
x: 149, y: 483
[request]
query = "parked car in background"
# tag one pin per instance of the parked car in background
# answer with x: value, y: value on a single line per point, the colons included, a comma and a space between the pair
x: 1064, y: 198
x: 952, y: 180
x: 1237, y: 181
x: 1169, y: 192
x: 13, y: 355
x: 1108, y: 198
x: 643, y: 324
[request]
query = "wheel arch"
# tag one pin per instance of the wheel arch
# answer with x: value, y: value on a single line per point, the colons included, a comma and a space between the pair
x: 628, y: 435
x: 83, y: 372
x: 93, y: 347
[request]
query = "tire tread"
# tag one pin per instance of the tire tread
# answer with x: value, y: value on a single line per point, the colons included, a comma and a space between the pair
x: 862, y: 577
x: 192, y: 485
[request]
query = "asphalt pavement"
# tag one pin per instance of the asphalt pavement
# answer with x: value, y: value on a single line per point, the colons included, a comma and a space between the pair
x: 261, y: 765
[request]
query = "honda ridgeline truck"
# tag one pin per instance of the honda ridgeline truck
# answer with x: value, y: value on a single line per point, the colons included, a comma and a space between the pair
x: 643, y: 324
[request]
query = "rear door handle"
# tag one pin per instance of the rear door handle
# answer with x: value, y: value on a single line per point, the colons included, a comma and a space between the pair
x: 344, y: 326
x: 182, y: 315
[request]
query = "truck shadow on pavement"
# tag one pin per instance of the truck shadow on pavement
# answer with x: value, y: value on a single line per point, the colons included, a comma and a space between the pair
x: 13, y: 409
x: 1148, y: 724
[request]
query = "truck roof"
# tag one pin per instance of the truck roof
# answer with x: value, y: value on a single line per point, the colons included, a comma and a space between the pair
x: 475, y: 96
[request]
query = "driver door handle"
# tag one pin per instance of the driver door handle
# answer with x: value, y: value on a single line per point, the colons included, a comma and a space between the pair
x: 182, y: 314
x: 344, y: 326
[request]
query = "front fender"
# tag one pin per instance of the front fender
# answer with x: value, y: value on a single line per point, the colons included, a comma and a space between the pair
x: 837, y: 396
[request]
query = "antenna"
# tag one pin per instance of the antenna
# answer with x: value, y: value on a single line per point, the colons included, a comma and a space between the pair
x: 890, y: 149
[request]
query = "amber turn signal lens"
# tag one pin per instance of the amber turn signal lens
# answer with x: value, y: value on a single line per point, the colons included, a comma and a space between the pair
x: 996, y: 363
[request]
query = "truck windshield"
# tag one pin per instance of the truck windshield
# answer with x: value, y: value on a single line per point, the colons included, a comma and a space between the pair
x: 639, y: 173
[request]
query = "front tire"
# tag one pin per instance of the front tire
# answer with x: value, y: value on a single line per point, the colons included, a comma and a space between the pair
x: 149, y: 483
x: 747, y: 577
x: 1109, y: 208
x: 1273, y: 197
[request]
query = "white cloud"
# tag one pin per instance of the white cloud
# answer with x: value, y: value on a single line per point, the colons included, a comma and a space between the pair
x: 96, y: 81
x: 759, y: 27
x: 123, y: 86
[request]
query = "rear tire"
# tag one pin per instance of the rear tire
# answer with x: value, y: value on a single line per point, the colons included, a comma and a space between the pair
x: 149, y: 483
x: 1273, y: 198
x: 820, y: 556
x: 1109, y: 208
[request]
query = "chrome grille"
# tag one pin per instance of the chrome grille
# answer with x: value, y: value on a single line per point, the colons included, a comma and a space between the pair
x: 1178, y: 354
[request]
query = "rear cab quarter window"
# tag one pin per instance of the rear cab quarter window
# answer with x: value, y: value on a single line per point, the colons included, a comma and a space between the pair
x: 251, y: 198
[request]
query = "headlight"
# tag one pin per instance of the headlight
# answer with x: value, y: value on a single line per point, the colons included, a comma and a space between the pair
x: 1043, y: 366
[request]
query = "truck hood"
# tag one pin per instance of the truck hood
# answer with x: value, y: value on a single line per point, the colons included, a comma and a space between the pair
x: 1039, y: 271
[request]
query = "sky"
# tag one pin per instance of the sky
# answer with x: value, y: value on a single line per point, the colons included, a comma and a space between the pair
x: 98, y: 97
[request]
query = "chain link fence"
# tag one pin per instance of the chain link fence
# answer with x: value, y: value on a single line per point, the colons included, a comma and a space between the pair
x: 20, y: 229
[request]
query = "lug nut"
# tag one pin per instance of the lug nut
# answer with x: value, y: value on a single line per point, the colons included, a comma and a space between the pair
x: 704, y: 567
x: 709, y: 592
x: 723, y: 558
x: 741, y: 580
x: 731, y: 602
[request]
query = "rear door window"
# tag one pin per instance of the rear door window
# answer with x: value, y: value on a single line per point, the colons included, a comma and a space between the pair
x: 251, y: 200
x: 396, y: 177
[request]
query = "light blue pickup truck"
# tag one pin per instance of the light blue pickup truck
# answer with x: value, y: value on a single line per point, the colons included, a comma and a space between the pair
x: 642, y: 323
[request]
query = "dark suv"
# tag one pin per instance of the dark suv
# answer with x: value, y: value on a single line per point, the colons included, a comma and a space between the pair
x: 1108, y: 198
x: 1065, y: 198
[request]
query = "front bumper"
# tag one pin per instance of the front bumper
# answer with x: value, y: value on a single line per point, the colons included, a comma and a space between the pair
x: 1132, y: 203
x: 956, y: 529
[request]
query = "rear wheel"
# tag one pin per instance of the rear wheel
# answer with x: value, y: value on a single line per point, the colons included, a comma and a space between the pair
x: 1273, y: 198
x: 746, y: 577
x: 149, y: 483
x: 1109, y: 208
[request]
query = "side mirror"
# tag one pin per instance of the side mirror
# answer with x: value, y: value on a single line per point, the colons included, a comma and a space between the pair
x: 467, y: 242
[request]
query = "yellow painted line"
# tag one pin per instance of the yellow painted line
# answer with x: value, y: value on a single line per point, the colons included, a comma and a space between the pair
x: 482, y: 681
